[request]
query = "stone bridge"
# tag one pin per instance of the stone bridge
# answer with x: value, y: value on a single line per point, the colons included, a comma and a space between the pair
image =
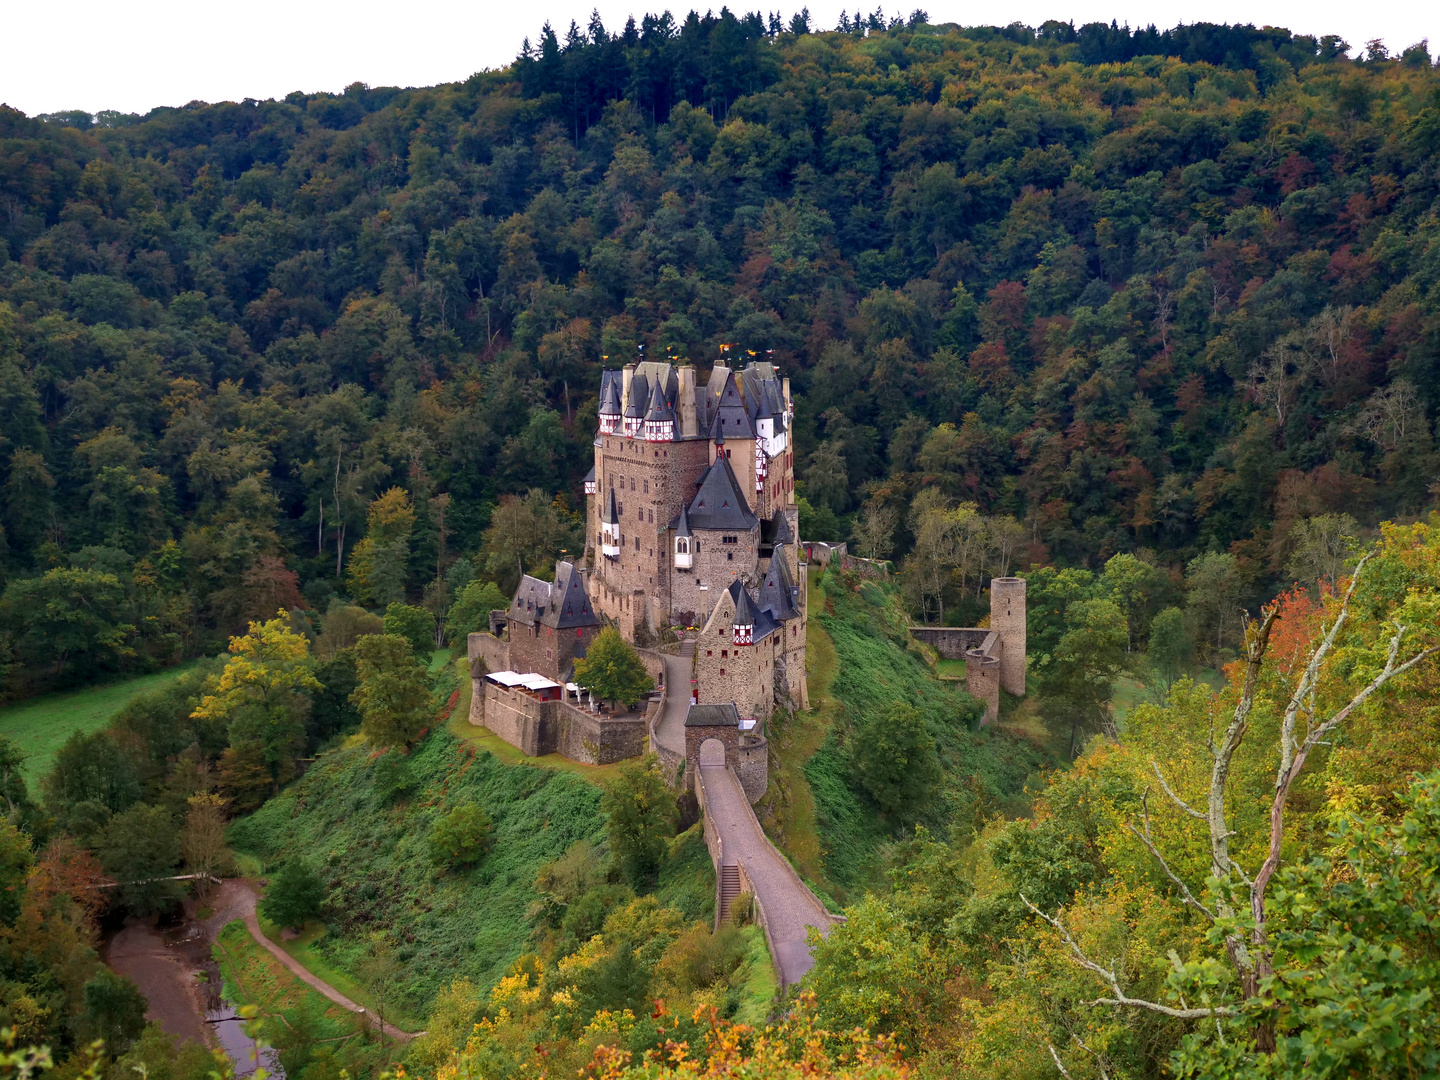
x: 746, y: 861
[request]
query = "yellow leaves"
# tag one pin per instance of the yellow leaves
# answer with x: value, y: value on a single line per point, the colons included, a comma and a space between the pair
x: 269, y: 660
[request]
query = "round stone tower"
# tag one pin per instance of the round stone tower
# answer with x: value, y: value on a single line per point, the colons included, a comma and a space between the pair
x: 1007, y: 619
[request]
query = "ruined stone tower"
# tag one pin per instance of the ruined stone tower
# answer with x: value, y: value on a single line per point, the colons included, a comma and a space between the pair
x: 1007, y: 619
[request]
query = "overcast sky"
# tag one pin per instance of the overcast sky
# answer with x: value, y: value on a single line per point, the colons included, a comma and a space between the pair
x: 136, y: 56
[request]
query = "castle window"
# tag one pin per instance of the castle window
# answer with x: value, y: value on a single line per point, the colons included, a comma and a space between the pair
x: 729, y: 556
x: 722, y: 671
x: 651, y: 514
x: 724, y: 652
x: 729, y: 539
x: 632, y: 483
x: 637, y: 543
x: 682, y: 545
x: 709, y: 652
x: 645, y: 486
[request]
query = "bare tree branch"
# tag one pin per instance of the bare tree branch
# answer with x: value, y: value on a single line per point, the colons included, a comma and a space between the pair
x: 1112, y: 980
x: 1146, y: 839
x: 1056, y: 1057
x: 1099, y: 1059
x: 1181, y: 803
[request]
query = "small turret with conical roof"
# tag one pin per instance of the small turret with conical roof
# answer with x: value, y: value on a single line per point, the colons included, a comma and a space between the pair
x: 660, y: 417
x: 743, y: 626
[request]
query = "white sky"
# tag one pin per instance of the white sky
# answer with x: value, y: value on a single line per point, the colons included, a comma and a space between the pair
x: 134, y: 56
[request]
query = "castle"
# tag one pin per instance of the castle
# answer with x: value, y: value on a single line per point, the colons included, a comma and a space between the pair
x: 692, y: 525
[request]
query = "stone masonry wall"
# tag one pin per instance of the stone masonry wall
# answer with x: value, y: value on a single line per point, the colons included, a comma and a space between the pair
x: 1008, y: 618
x: 651, y: 482
x: 717, y: 564
x: 545, y: 650
x: 752, y: 765
x: 494, y: 652
x: 951, y: 642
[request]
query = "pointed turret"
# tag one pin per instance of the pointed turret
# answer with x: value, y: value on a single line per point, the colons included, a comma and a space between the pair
x: 610, y: 528
x: 743, y: 624
x: 609, y: 402
x: 635, y: 410
x: 659, y: 417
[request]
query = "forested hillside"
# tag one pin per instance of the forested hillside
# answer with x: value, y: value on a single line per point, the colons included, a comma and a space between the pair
x: 1172, y: 293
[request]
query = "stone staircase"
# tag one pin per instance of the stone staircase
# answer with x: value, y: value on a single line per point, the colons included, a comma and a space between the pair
x: 729, y: 889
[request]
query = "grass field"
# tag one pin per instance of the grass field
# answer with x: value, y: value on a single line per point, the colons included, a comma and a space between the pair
x: 41, y: 725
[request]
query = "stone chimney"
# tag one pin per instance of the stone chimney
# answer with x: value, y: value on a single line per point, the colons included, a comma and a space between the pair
x: 627, y: 375
x: 685, y: 402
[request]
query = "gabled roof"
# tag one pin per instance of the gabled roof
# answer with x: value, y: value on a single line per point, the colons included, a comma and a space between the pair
x: 777, y: 591
x: 726, y: 715
x: 719, y: 503
x: 561, y: 604
x: 590, y: 476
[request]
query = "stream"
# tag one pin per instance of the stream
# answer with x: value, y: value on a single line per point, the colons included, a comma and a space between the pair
x: 171, y: 963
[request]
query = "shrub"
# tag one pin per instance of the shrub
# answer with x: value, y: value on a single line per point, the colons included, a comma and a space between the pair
x: 294, y: 895
x: 641, y: 812
x: 462, y: 837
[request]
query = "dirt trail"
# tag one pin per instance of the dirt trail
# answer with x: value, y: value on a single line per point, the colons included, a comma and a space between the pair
x: 236, y: 899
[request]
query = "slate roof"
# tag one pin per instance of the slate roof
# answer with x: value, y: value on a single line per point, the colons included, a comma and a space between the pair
x: 639, y: 395
x: 660, y: 409
x: 726, y: 715
x: 776, y: 530
x: 718, y: 503
x: 681, y: 524
x: 610, y: 393
x: 562, y: 604
x: 749, y: 613
x: 610, y: 515
x: 778, y: 593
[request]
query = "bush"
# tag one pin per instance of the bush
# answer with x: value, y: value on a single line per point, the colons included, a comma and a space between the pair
x: 394, y: 690
x: 294, y: 895
x: 894, y: 758
x: 641, y: 811
x: 462, y: 837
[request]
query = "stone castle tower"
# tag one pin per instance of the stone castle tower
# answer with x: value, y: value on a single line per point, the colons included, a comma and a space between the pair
x: 1007, y: 619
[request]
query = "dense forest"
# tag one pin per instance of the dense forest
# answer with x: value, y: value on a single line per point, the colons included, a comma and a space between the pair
x: 1095, y: 291
x: 1153, y: 317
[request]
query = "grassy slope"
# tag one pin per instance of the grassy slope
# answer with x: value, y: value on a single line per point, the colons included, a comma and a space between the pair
x: 374, y: 859
x: 41, y: 725
x: 985, y: 771
x: 788, y: 808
